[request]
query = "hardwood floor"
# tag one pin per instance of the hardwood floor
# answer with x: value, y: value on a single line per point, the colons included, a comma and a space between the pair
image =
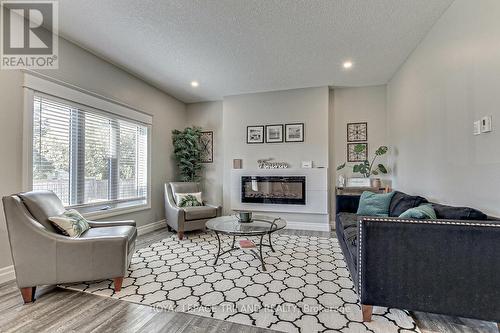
x: 60, y: 310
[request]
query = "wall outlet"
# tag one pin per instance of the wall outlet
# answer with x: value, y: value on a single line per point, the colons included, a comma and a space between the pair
x: 486, y: 124
x: 477, y: 127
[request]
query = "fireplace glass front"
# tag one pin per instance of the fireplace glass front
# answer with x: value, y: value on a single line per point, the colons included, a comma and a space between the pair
x: 273, y: 190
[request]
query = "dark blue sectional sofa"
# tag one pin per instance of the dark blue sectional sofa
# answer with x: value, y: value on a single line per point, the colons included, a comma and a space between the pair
x: 449, y: 266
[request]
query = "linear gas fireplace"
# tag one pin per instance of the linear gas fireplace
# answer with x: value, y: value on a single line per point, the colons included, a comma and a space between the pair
x: 273, y: 190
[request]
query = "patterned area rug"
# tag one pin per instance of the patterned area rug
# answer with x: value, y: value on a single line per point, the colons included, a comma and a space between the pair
x: 307, y: 287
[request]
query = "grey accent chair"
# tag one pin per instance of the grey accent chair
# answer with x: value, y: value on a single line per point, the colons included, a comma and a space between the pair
x: 42, y: 256
x: 187, y: 218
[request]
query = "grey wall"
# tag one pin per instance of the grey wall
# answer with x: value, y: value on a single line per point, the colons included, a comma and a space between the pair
x: 348, y: 105
x: 309, y: 106
x: 208, y: 116
x: 451, y: 79
x: 87, y: 71
x: 353, y: 105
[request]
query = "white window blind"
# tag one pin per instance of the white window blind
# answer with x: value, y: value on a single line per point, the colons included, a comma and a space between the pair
x: 88, y: 157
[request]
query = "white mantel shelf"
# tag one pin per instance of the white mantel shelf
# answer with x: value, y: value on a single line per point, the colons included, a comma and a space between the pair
x: 314, y: 212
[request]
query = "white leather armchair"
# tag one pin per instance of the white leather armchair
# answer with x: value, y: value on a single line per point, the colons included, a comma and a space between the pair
x: 42, y: 256
x: 187, y: 218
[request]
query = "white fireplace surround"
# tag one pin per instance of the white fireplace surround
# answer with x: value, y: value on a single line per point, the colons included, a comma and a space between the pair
x: 314, y: 215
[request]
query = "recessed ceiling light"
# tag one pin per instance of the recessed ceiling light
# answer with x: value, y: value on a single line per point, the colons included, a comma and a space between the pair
x: 347, y: 64
x: 194, y: 84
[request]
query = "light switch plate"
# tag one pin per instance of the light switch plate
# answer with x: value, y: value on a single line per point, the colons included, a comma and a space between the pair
x: 477, y: 127
x: 486, y: 124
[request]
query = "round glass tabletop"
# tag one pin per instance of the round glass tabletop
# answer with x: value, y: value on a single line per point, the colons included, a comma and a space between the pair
x: 260, y: 225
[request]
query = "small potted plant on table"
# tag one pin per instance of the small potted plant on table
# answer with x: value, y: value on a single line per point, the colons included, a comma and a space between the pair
x: 367, y: 168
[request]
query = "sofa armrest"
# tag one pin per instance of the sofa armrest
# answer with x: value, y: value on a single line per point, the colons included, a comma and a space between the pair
x: 217, y: 207
x: 347, y: 203
x: 91, y: 258
x: 98, y: 224
x: 440, y: 266
x: 173, y: 214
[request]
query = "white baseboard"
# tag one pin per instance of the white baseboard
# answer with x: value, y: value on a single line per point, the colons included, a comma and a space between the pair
x: 144, y: 229
x: 7, y: 274
x: 332, y: 225
x: 308, y: 226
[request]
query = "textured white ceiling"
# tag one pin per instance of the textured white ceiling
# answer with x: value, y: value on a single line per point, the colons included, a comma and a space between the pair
x: 241, y: 46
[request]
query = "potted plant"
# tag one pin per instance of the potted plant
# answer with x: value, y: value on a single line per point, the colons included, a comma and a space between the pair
x: 187, y: 152
x: 366, y: 168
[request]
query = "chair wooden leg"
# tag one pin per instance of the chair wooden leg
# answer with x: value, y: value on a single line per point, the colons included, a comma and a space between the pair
x: 367, y: 312
x: 118, y: 283
x: 28, y: 294
x: 180, y: 234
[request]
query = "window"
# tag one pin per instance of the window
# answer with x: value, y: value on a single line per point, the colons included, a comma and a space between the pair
x: 91, y: 159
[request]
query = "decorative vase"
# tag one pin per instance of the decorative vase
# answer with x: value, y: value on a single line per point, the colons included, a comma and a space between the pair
x: 341, y: 181
x: 375, y: 182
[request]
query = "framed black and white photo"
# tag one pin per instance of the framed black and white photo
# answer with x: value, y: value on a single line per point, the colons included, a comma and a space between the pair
x: 357, y: 152
x: 255, y: 134
x: 357, y: 132
x: 294, y: 132
x: 207, y: 147
x: 274, y: 133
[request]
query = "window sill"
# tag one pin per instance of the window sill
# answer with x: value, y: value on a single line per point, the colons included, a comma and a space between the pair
x: 100, y: 214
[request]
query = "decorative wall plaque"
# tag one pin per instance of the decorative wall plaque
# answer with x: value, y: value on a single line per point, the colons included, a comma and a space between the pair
x: 270, y: 164
x: 356, y: 155
x: 207, y: 147
x: 357, y: 132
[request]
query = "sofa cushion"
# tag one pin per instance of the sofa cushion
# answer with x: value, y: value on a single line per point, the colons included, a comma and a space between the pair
x: 401, y: 202
x: 458, y: 213
x: 374, y: 204
x: 124, y: 230
x: 349, y: 224
x: 199, y: 213
x: 424, y: 211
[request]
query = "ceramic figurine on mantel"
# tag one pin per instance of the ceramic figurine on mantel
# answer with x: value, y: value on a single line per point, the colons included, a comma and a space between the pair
x: 366, y: 168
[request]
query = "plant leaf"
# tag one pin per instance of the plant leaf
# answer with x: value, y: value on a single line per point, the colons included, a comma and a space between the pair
x: 382, y: 168
x: 381, y: 150
x: 340, y: 167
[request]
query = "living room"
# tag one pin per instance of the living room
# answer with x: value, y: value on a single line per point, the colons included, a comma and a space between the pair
x: 250, y: 166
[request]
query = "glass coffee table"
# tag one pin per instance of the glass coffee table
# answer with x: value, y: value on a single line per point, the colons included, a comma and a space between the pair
x: 261, y: 226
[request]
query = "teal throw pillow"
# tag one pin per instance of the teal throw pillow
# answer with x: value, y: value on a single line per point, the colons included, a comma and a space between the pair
x: 374, y: 204
x: 424, y: 211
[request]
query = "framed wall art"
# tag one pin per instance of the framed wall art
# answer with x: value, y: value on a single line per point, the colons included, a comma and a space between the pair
x: 357, y: 152
x: 274, y: 133
x: 207, y: 147
x: 294, y: 132
x: 357, y: 132
x: 255, y: 134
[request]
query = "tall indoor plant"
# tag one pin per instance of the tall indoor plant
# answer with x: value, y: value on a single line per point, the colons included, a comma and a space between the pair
x: 187, y: 152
